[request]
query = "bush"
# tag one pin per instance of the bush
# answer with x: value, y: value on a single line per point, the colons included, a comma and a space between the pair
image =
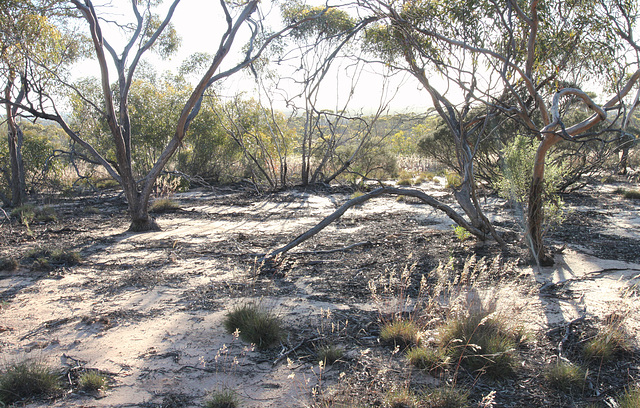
x: 461, y: 233
x: 255, y: 325
x: 28, y: 379
x: 400, y: 333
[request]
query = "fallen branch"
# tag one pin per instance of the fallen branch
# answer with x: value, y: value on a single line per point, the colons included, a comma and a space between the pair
x: 291, y: 350
x: 451, y: 213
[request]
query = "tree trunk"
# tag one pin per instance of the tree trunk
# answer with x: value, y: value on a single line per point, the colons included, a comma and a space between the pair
x: 14, y: 139
x: 535, y: 211
x: 138, y: 203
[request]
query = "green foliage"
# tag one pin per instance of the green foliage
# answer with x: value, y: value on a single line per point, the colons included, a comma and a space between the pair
x: 92, y: 380
x: 517, y: 174
x: 461, y: 233
x: 630, y: 399
x: 566, y: 377
x: 225, y: 398
x: 400, y: 333
x: 28, y: 379
x: 480, y: 341
x: 322, y: 21
x: 453, y: 180
x: 256, y: 325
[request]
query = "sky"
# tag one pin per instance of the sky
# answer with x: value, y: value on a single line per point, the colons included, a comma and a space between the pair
x: 200, y: 24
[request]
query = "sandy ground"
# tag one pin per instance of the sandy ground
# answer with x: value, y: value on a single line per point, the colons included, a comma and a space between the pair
x: 138, y: 307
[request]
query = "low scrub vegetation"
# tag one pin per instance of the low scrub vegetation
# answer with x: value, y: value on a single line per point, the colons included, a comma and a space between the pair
x: 254, y: 324
x: 28, y: 379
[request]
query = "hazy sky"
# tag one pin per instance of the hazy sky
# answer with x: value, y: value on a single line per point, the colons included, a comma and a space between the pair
x: 200, y: 24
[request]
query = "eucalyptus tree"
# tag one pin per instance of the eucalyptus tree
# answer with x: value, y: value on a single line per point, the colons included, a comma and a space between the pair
x: 146, y: 32
x: 33, y: 49
x: 521, y: 59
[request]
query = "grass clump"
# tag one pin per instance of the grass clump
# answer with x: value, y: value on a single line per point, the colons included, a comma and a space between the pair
x: 445, y: 397
x: 92, y: 381
x: 254, y: 324
x: 8, y: 263
x: 28, y: 379
x: 400, y: 333
x: 163, y: 205
x: 566, y: 377
x: 226, y: 398
x: 400, y: 398
x: 427, y: 359
x: 330, y: 353
x: 26, y: 214
x: 46, y: 259
x: 481, y: 342
x: 606, y: 344
x: 630, y: 399
x: 453, y: 180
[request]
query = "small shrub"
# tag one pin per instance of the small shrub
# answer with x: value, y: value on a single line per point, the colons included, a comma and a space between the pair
x: 404, y: 182
x: 461, y: 233
x: 400, y: 333
x: 8, y: 264
x: 480, y: 342
x: 92, y: 381
x: 255, y: 325
x: 222, y: 399
x: 28, y: 379
x: 630, y: 399
x: 445, y: 397
x: 163, y: 205
x: 566, y: 377
x: 453, y: 180
x: 427, y: 359
x: 330, y: 353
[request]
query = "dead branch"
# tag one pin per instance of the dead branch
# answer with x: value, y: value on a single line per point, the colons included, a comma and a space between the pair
x: 457, y: 218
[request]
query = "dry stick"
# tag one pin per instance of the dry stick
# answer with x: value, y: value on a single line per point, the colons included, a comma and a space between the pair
x: 457, y: 218
x: 291, y: 350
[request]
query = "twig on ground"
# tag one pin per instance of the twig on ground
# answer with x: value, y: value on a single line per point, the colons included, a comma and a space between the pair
x: 291, y: 350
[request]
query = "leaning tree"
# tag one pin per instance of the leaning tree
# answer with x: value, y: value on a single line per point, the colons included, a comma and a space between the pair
x: 519, y: 59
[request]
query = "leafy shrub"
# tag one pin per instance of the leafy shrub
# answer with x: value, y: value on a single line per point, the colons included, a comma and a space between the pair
x: 256, y: 326
x: 461, y: 233
x: 28, y: 379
